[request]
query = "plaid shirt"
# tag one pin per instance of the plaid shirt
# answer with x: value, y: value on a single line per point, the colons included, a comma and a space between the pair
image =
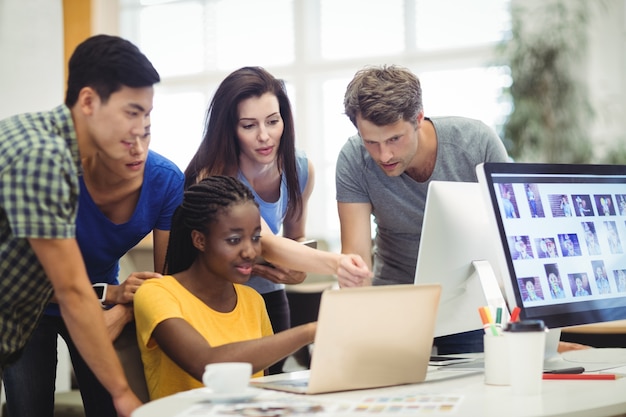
x: 39, y: 168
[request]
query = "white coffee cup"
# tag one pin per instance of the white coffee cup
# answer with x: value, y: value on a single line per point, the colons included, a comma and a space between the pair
x: 496, y: 360
x: 227, y: 377
x: 526, y: 342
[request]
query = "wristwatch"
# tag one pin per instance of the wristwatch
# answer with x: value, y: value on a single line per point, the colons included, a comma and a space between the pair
x: 101, y: 291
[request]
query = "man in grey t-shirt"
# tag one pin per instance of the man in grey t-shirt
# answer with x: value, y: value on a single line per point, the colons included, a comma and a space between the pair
x: 385, y: 170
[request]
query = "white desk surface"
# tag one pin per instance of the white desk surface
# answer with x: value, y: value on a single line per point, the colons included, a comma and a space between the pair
x: 558, y: 398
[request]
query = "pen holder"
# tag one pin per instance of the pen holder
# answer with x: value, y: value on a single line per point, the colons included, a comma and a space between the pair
x: 496, y: 360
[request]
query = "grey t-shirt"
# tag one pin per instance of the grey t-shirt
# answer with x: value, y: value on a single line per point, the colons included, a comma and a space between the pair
x: 398, y: 202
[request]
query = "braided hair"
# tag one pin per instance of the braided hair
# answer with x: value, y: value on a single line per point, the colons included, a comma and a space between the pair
x: 202, y: 203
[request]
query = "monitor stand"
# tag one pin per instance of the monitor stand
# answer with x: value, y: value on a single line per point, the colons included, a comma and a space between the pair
x: 593, y: 359
x: 458, y: 307
x: 553, y: 361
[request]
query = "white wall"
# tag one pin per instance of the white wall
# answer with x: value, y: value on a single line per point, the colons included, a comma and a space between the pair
x: 32, y: 69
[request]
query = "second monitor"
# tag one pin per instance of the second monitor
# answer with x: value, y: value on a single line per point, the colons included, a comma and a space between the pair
x: 457, y: 252
x: 561, y: 232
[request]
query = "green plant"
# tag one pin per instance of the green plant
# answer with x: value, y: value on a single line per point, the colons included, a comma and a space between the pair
x: 616, y: 154
x: 551, y: 110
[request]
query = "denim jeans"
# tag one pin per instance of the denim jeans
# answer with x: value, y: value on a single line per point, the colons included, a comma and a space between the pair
x: 277, y: 307
x: 467, y: 342
x: 30, y: 382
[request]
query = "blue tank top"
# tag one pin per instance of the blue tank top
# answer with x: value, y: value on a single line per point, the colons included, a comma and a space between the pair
x: 274, y: 213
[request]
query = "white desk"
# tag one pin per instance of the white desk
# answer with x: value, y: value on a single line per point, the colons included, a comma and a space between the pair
x: 558, y: 398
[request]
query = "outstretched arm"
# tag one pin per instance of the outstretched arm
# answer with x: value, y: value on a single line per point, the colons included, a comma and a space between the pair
x: 293, y: 255
x: 83, y: 316
x: 189, y: 350
x: 356, y: 236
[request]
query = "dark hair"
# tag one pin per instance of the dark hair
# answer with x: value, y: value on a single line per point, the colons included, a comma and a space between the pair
x: 202, y: 202
x: 383, y: 95
x: 527, y: 280
x: 218, y: 154
x: 106, y: 63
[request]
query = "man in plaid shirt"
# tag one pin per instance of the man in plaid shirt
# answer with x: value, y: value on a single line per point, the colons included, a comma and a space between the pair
x: 107, y: 107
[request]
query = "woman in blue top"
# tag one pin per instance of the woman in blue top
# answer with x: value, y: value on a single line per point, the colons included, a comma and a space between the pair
x: 250, y: 135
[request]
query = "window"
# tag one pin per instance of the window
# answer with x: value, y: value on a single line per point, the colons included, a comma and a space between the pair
x: 316, y: 46
x: 442, y: 24
x: 357, y: 28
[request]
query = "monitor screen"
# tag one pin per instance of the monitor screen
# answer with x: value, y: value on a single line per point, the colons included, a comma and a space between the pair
x: 456, y: 253
x: 562, y: 234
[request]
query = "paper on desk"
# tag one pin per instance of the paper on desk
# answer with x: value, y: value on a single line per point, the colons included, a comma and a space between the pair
x: 405, y: 404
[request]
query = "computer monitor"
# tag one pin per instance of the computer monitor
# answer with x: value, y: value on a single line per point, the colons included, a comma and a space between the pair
x: 561, y: 230
x: 455, y: 252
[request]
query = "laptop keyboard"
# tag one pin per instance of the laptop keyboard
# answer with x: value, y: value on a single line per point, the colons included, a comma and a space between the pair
x: 300, y: 383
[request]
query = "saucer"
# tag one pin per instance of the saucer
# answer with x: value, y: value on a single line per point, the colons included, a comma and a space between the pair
x: 228, y: 397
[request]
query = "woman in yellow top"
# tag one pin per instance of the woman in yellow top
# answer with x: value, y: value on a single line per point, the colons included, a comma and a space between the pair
x: 202, y: 313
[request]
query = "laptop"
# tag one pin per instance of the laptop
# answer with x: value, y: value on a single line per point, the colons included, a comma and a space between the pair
x: 367, y: 337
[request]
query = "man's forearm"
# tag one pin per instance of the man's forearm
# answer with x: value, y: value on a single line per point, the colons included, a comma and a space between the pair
x: 84, y: 319
x: 82, y: 313
x: 116, y: 318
